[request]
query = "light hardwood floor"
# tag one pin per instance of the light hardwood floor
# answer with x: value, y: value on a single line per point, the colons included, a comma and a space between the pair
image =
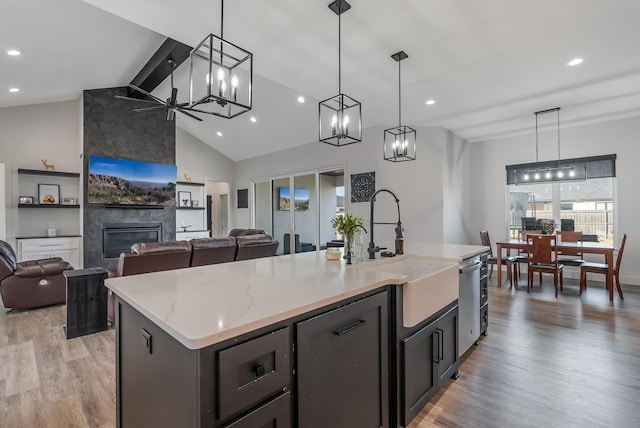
x: 570, y: 362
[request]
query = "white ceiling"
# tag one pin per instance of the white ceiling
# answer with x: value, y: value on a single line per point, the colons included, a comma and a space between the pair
x: 489, y: 64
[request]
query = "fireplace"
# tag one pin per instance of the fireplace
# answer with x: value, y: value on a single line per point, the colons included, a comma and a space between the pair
x: 118, y: 237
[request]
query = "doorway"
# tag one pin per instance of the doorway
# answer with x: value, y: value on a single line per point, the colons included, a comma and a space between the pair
x: 218, y: 208
x: 297, y: 209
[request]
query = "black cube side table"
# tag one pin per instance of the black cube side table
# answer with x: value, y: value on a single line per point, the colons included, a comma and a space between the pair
x: 86, y: 301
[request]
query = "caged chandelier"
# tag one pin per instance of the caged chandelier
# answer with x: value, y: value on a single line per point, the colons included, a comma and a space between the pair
x: 220, y: 76
x: 340, y: 117
x: 399, y: 142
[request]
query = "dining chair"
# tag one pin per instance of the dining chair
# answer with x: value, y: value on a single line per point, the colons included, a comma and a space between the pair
x: 569, y: 257
x: 543, y: 259
x: 602, y: 268
x: 492, y: 260
x: 523, y: 255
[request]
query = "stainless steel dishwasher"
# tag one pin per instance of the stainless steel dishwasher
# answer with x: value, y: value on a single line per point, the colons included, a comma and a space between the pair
x: 469, y: 303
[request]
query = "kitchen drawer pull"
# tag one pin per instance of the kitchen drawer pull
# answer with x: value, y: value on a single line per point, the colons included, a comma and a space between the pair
x: 350, y: 327
x: 441, y: 345
x: 259, y: 370
x: 435, y: 344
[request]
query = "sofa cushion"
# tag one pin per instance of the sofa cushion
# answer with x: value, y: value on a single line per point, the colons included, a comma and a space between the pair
x: 160, y: 247
x: 41, y: 268
x: 257, y: 239
x: 210, y: 251
x: 213, y: 242
x: 246, y: 232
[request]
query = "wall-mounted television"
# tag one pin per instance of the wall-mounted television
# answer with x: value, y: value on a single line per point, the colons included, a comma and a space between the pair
x: 130, y: 182
x: 300, y: 199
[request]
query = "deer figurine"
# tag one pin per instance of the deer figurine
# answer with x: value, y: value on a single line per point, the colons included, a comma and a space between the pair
x: 187, y: 178
x: 48, y: 166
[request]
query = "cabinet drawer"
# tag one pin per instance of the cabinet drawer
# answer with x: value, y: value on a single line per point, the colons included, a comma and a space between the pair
x: 252, y: 372
x: 48, y: 244
x: 484, y: 318
x: 276, y: 413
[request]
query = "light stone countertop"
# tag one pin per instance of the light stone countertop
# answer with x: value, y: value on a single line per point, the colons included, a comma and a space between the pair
x: 204, y: 305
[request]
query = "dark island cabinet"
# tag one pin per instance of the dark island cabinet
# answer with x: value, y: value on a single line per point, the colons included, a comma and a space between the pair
x: 427, y: 358
x: 342, y: 366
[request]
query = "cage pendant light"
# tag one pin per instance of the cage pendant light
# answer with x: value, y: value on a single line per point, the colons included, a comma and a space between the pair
x: 399, y: 142
x: 340, y: 117
x: 220, y: 76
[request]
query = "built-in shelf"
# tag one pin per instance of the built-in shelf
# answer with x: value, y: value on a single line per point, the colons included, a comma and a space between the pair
x: 192, y: 208
x: 47, y: 206
x: 49, y: 173
x: 188, y: 183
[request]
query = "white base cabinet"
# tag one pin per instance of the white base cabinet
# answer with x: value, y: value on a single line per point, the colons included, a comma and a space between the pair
x: 185, y: 236
x: 43, y: 248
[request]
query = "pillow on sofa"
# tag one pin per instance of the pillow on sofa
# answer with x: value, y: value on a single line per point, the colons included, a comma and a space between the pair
x: 246, y: 232
x: 160, y: 247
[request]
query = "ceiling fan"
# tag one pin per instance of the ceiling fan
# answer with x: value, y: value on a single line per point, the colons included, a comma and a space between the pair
x: 170, y: 104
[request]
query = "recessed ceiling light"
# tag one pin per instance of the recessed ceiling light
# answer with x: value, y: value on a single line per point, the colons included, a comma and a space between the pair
x: 219, y: 134
x: 14, y: 90
x: 253, y: 119
x: 300, y: 99
x: 430, y: 102
x: 13, y: 52
x: 575, y: 61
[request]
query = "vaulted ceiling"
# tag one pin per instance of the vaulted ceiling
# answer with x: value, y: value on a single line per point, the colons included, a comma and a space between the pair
x: 488, y: 65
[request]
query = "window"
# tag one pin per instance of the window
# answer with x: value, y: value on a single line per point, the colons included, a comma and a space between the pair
x: 589, y: 203
x: 544, y: 190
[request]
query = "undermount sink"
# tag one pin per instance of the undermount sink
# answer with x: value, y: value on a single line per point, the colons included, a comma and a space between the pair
x: 431, y: 285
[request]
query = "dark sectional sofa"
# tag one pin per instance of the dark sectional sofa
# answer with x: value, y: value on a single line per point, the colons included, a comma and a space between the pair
x: 244, y: 244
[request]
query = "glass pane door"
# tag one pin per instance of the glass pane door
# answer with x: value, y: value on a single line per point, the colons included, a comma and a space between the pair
x: 305, y: 206
x: 281, y: 215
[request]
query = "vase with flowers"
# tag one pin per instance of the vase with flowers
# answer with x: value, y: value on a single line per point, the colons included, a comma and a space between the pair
x: 348, y: 225
x: 548, y: 226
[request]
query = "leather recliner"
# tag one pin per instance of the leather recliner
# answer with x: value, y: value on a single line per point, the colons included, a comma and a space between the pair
x: 150, y: 257
x: 211, y: 251
x: 33, y: 283
x: 256, y: 246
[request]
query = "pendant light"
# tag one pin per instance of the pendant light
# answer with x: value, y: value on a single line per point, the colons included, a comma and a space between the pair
x: 560, y: 170
x: 220, y: 76
x: 399, y: 142
x: 340, y: 117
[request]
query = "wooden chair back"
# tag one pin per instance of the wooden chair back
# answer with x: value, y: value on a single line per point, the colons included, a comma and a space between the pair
x: 484, y: 239
x: 566, y: 236
x: 616, y: 270
x: 541, y: 249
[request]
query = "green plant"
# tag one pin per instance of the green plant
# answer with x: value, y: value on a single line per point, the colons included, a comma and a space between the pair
x: 347, y: 224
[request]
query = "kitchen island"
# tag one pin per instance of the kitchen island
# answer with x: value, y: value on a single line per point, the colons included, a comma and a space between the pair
x: 292, y: 340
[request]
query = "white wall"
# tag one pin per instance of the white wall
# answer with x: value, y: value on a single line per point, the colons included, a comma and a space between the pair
x: 200, y: 161
x: 3, y: 204
x: 418, y: 184
x: 488, y: 195
x: 35, y: 132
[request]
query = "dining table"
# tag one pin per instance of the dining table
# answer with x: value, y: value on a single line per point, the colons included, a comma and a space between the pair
x: 580, y: 247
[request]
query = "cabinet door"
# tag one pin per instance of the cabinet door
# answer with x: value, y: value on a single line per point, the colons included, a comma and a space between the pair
x: 342, y: 366
x: 419, y: 355
x: 448, y: 348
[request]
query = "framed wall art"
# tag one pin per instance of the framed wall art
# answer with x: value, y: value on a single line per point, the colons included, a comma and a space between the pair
x: 49, y: 194
x: 363, y: 186
x: 184, y: 199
